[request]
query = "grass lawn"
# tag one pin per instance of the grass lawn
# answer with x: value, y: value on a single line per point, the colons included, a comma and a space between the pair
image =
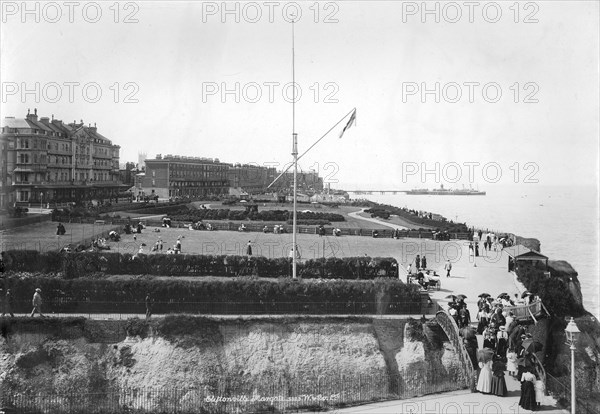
x: 42, y: 236
x: 350, y: 223
x: 278, y: 245
x: 394, y: 219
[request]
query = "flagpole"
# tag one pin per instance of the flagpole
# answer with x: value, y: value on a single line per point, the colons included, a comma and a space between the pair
x: 295, y: 154
x: 309, y: 148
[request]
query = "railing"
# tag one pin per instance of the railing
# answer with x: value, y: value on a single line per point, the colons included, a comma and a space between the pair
x: 562, y: 392
x: 527, y: 312
x: 539, y: 368
x: 235, y: 395
x: 65, y: 307
x: 448, y: 325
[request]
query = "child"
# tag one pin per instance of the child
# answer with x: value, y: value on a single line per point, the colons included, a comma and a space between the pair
x: 511, y: 364
x: 540, y: 391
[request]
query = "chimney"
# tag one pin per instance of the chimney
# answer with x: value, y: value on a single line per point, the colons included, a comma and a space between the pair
x: 45, y: 120
x: 35, y: 111
x: 53, y: 117
x: 32, y: 116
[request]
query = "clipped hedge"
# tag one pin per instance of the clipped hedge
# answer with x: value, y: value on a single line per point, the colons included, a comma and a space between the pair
x: 263, y: 215
x: 230, y: 296
x: 75, y: 265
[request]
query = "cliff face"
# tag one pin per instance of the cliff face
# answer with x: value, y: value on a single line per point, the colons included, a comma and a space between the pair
x: 347, y: 360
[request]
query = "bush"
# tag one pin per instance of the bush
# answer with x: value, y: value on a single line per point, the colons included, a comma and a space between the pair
x: 232, y: 296
x: 248, y: 214
x: 76, y: 265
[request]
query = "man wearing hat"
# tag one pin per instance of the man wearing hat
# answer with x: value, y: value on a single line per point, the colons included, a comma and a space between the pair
x: 37, y: 303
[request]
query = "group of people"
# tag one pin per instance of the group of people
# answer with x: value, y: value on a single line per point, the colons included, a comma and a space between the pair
x: 9, y: 303
x: 506, y: 347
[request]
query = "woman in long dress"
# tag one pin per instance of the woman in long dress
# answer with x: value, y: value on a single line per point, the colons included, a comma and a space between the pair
x: 484, y: 383
x: 484, y: 317
x: 498, y: 382
x: 527, y: 400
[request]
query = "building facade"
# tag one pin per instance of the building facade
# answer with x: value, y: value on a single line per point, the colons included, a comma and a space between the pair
x: 253, y: 179
x: 174, y: 176
x: 47, y: 161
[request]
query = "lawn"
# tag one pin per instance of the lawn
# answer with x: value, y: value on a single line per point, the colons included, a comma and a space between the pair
x: 278, y: 245
x: 42, y: 236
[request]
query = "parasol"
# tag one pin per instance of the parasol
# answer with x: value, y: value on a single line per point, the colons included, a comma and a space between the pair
x: 532, y: 346
x: 526, y: 293
x: 453, y: 297
x: 484, y: 295
x: 461, y: 296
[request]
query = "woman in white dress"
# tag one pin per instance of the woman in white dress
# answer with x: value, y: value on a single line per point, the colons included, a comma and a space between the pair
x: 484, y: 383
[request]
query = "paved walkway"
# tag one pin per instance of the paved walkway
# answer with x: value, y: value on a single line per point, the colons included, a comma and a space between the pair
x: 458, y: 402
x: 470, y: 276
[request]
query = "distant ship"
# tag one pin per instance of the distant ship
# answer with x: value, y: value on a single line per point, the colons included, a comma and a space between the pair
x: 445, y: 191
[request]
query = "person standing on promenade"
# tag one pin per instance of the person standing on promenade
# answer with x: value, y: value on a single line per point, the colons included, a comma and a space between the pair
x: 249, y: 248
x: 484, y: 382
x: 149, y: 303
x: 37, y: 303
x: 448, y: 267
x: 418, y: 262
x: 8, y: 304
x: 424, y: 262
x: 498, y: 382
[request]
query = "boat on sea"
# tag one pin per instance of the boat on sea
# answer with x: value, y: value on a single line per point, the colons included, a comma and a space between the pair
x: 445, y: 191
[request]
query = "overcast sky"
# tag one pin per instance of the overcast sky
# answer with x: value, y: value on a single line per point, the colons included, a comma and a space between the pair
x: 161, y: 76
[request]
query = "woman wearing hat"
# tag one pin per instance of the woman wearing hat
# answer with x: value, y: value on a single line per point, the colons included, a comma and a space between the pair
x: 501, y: 343
x: 37, y: 303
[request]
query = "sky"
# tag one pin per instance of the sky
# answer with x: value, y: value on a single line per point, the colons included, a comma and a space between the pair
x: 492, y: 93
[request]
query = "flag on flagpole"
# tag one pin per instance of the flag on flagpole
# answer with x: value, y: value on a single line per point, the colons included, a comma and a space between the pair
x: 351, y: 121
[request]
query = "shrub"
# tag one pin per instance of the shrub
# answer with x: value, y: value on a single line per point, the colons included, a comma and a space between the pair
x: 230, y: 296
x: 76, y: 265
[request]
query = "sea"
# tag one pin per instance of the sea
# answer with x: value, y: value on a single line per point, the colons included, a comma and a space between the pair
x: 565, y: 219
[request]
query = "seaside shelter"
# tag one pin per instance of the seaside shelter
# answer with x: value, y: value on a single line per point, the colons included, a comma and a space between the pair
x: 521, y: 253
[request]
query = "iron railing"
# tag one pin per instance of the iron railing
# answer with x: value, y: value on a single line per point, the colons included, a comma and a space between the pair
x: 527, y: 312
x: 65, y: 307
x: 562, y: 392
x: 234, y: 395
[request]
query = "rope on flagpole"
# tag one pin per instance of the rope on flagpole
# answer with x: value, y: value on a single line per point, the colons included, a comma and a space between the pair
x: 309, y: 148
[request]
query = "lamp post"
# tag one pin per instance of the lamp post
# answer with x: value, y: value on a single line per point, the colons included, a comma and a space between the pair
x: 572, y: 333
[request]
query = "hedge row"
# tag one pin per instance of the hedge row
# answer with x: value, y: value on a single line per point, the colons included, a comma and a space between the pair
x: 95, y: 212
x: 264, y: 215
x: 242, y: 295
x: 74, y: 265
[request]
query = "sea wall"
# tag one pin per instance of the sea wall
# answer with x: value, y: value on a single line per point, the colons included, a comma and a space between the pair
x: 197, y: 362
